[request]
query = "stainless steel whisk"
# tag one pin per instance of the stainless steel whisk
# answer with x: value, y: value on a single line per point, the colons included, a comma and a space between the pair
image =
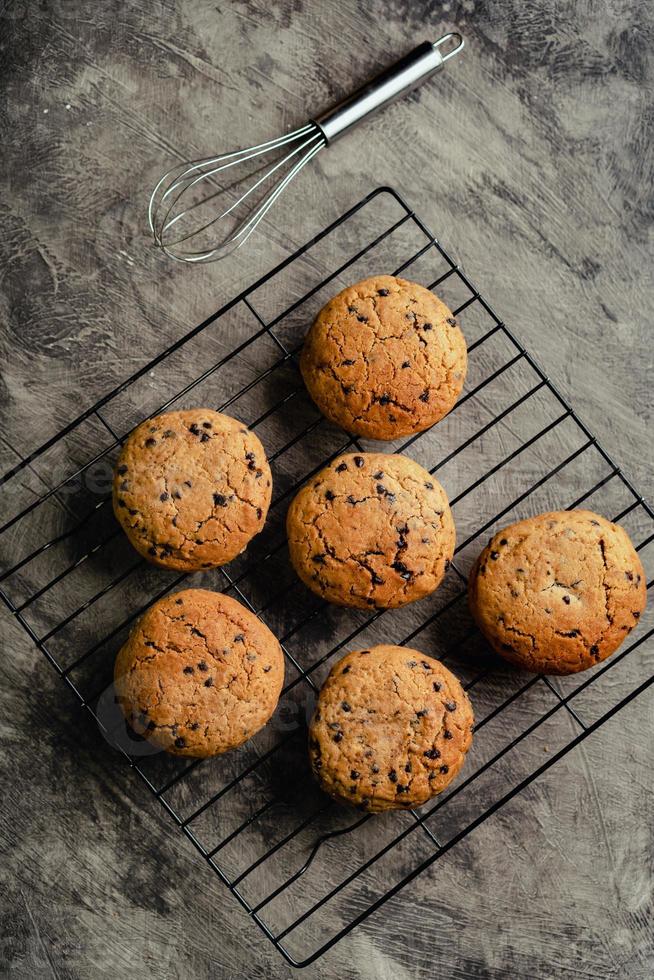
x: 195, y: 218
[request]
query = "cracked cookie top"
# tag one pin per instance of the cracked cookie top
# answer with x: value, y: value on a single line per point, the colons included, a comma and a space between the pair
x: 391, y: 729
x: 191, y: 489
x: 559, y: 592
x: 199, y: 674
x: 384, y: 358
x: 371, y: 530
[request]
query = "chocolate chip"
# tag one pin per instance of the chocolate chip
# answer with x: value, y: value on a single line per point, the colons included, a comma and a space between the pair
x: 206, y: 425
x: 346, y: 706
x: 338, y: 737
x: 451, y: 321
x: 426, y: 326
x: 447, y: 734
x: 444, y: 769
x: 354, y: 774
x: 179, y: 602
x: 424, y: 397
x: 169, y: 434
x: 239, y: 638
x: 402, y: 570
x: 177, y: 495
x: 205, y: 437
x: 124, y: 485
x: 377, y: 579
x: 566, y: 599
x: 219, y: 500
x: 188, y: 670
x: 187, y: 483
x: 345, y: 670
x: 407, y: 767
x: 259, y: 513
x: 450, y: 705
x: 149, y: 643
x: 362, y: 319
x: 180, y: 742
x: 382, y: 292
x: 504, y: 541
x: 267, y: 668
x: 379, y: 475
x: 594, y: 650
x: 194, y: 429
x: 209, y: 682
x: 133, y: 512
x: 359, y: 461
x: 412, y: 663
x: 422, y: 713
x: 401, y: 544
x: 319, y: 559
x: 630, y: 576
x: 329, y: 495
x: 495, y: 555
x: 436, y: 686
x: 384, y: 399
x: 163, y: 496
x: 352, y: 309
x: 194, y: 726
x: 347, y: 363
x: 432, y: 753
x: 635, y: 614
x: 252, y: 465
x: 406, y: 364
x: 363, y: 653
x: 374, y: 768
x: 596, y: 523
x: 202, y: 666
x: 392, y: 775
x: 429, y: 486
x: 121, y: 470
x: 400, y: 788
x: 152, y: 550
x: 150, y: 442
x: 351, y: 500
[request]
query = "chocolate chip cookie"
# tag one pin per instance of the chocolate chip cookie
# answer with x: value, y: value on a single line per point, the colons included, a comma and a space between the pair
x: 191, y: 489
x: 558, y: 593
x: 199, y: 674
x: 371, y: 530
x: 385, y: 358
x: 391, y: 729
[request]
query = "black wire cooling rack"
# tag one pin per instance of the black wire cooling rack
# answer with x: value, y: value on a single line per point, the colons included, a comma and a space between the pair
x: 306, y: 870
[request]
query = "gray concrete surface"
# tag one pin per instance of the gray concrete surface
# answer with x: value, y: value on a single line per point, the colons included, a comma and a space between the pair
x: 531, y: 158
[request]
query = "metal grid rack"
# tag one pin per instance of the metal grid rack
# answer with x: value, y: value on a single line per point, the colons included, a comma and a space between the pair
x: 304, y: 869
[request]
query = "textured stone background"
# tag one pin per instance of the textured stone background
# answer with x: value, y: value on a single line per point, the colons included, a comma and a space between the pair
x: 531, y: 157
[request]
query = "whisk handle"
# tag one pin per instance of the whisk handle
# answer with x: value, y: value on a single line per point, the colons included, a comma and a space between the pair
x: 391, y: 84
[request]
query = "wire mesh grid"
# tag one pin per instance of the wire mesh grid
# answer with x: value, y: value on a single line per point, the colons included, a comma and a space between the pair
x: 306, y: 870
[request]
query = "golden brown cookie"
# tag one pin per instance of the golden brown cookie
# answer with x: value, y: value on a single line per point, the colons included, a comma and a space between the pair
x: 559, y: 592
x: 371, y: 529
x: 191, y: 489
x: 384, y: 358
x: 391, y: 729
x: 199, y: 674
